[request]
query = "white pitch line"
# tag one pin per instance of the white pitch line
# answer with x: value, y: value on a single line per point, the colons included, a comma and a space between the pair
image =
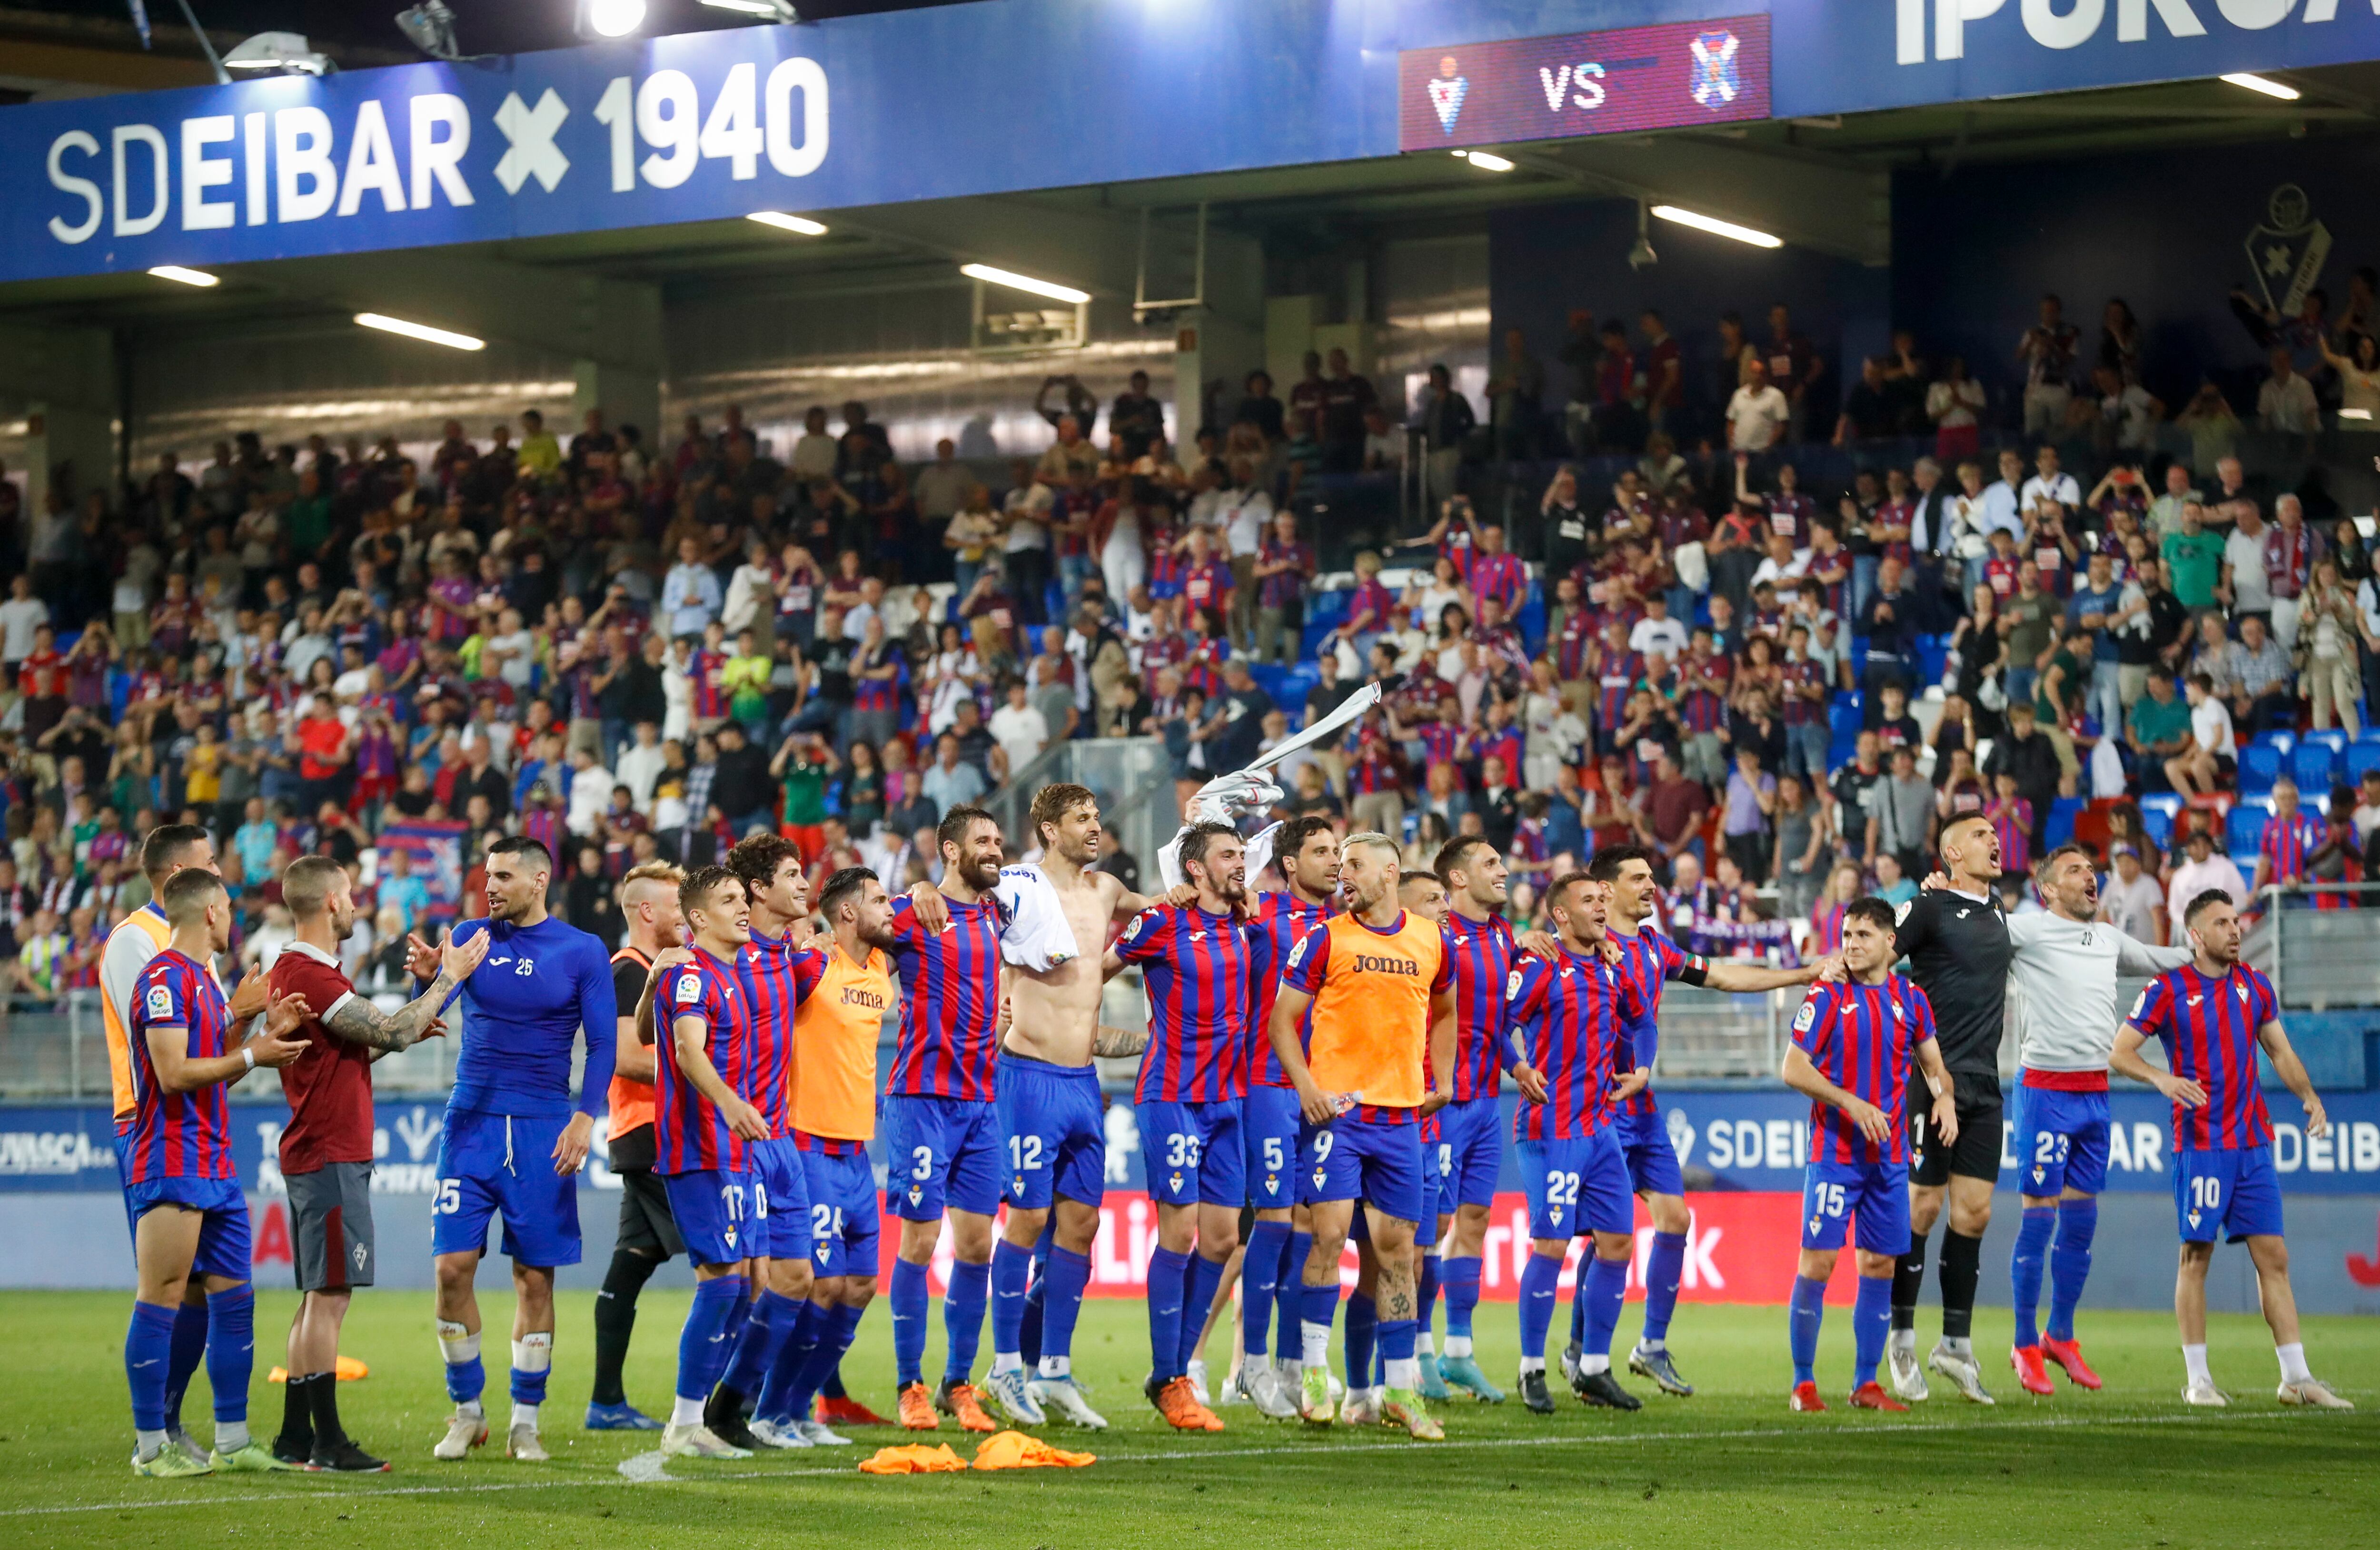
x: 1322, y: 1451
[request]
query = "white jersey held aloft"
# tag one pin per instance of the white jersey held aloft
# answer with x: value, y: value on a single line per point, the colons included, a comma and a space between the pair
x: 2062, y: 987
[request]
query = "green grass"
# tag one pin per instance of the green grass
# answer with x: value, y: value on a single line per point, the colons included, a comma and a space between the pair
x: 2129, y: 1466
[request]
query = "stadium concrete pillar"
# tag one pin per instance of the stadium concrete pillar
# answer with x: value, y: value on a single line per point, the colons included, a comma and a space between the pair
x: 68, y: 377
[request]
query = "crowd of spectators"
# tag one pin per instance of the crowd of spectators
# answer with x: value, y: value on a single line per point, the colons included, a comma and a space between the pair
x: 633, y: 651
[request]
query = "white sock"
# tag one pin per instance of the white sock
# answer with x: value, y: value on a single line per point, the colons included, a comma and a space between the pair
x: 1315, y: 1341
x: 1532, y: 1364
x: 1007, y: 1362
x: 2193, y: 1357
x: 1959, y: 1346
x: 1650, y: 1344
x: 1423, y: 1345
x: 1197, y: 1366
x: 1405, y: 1373
x: 232, y: 1436
x: 2293, y: 1362
x: 1458, y: 1344
x: 524, y: 1415
x: 1905, y: 1341
x: 1590, y: 1365
x: 147, y: 1445
x: 684, y: 1412
x: 1051, y: 1366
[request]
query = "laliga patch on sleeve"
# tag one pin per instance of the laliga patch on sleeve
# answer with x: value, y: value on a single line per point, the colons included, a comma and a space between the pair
x: 2139, y: 1004
x: 1132, y: 932
x: 1807, y: 1016
x: 161, y: 1002
x: 1900, y: 915
x: 1512, y: 985
x: 689, y: 990
x: 1297, y: 954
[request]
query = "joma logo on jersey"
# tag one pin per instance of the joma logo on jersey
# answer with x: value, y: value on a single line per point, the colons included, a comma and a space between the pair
x: 1368, y: 963
x: 855, y: 996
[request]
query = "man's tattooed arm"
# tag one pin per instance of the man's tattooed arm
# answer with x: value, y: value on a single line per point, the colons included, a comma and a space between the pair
x: 1114, y: 1043
x: 360, y: 1022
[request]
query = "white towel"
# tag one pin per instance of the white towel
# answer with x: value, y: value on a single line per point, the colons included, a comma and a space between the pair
x: 1035, y: 935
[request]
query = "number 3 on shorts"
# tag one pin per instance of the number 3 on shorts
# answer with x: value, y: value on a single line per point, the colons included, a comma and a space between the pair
x: 921, y: 1163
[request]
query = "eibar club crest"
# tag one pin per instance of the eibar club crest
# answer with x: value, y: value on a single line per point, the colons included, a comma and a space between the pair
x: 1716, y: 83
x: 2287, y: 250
x: 1447, y: 91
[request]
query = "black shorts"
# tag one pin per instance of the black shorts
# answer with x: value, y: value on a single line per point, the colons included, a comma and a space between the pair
x: 331, y: 1226
x: 646, y: 1226
x: 1976, y: 1153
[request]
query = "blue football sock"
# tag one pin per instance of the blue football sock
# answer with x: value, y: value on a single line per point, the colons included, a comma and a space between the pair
x: 910, y: 1294
x: 1578, y: 1299
x: 702, y: 1348
x: 148, y: 1347
x: 1426, y: 1295
x: 1363, y: 1330
x: 529, y: 1382
x: 1292, y: 1292
x: 1166, y: 1286
x: 1198, y: 1300
x: 1261, y: 1284
x: 231, y: 1349
x: 190, y: 1350
x: 774, y: 1318
x: 1318, y: 1304
x: 1871, y: 1322
x: 1461, y: 1274
x: 1066, y: 1278
x: 1808, y: 1311
x: 1664, y: 1268
x: 2025, y: 1266
x: 1396, y: 1341
x: 836, y: 1331
x: 2069, y: 1263
x: 1541, y: 1288
x: 1036, y: 1297
x: 466, y: 1376
x: 1602, y: 1288
x: 1012, y: 1270
x: 784, y: 1374
x: 962, y: 1318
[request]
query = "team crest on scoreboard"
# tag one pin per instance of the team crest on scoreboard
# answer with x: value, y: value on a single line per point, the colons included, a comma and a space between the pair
x: 1447, y: 91
x: 1716, y: 80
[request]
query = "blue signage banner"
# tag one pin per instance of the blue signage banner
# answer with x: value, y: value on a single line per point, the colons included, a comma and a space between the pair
x: 1744, y: 1140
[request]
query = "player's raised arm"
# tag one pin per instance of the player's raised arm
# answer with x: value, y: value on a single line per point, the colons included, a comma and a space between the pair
x: 2292, y: 1072
x: 2134, y: 958
x: 359, y: 1022
x: 669, y: 959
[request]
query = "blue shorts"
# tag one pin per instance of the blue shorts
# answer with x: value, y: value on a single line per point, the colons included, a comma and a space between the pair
x: 492, y: 1162
x: 941, y: 1155
x: 1269, y: 1125
x: 121, y: 1141
x: 1577, y: 1184
x: 1473, y: 1133
x: 1373, y: 1161
x: 781, y: 1199
x: 842, y: 1213
x: 223, y: 1247
x: 1055, y: 1130
x: 713, y: 1209
x: 1191, y: 1152
x: 2234, y: 1188
x: 1435, y: 1159
x: 1652, y: 1161
x: 1877, y: 1194
x: 2061, y: 1141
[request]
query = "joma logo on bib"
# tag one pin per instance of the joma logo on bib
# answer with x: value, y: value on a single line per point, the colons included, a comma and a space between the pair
x: 1365, y: 963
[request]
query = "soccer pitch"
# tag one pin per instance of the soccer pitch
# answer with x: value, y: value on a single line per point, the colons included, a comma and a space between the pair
x: 2128, y: 1466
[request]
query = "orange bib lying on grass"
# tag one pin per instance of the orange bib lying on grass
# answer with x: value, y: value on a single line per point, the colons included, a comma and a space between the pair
x: 1005, y: 1450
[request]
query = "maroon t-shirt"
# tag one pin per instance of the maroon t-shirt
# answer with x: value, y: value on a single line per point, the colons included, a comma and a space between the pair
x: 329, y: 1087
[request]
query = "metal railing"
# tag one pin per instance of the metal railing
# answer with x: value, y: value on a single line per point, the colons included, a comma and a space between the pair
x: 2316, y: 942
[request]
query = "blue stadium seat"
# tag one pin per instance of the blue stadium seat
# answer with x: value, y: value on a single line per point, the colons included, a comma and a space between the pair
x: 2245, y: 826
x: 2362, y: 757
x: 2061, y: 828
x: 2286, y: 741
x: 2316, y: 763
x: 2159, y: 810
x: 2259, y: 766
x: 1933, y: 654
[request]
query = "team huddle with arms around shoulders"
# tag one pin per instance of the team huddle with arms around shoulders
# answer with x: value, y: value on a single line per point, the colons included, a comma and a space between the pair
x: 1323, y: 1065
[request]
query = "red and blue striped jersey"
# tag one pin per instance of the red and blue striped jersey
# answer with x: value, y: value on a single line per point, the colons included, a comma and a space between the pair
x: 688, y: 1131
x: 1568, y: 1016
x: 1863, y: 1038
x: 1499, y: 575
x: 177, y: 1135
x: 772, y: 990
x: 2286, y: 842
x: 1651, y: 960
x: 707, y: 669
x: 1439, y: 741
x: 1578, y: 632
x: 2208, y: 1027
x: 1164, y: 567
x: 880, y: 694
x: 1499, y: 742
x: 1206, y: 586
x: 1195, y: 965
x: 1281, y: 921
x: 1798, y: 676
x: 1614, y: 680
x: 950, y: 1001
x: 2012, y: 821
x: 1482, y: 953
